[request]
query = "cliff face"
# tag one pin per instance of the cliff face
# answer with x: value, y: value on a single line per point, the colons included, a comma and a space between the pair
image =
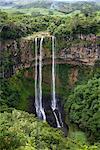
x: 84, y: 54
x: 22, y: 52
x: 85, y: 50
x: 22, y: 55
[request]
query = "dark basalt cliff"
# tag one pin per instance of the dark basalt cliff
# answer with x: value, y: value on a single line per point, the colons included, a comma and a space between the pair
x: 21, y: 52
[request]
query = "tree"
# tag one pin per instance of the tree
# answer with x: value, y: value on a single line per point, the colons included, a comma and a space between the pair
x: 12, y: 31
x: 83, y: 106
x: 22, y: 131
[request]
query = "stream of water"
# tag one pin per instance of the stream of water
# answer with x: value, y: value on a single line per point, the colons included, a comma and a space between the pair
x: 38, y: 83
x: 54, y: 100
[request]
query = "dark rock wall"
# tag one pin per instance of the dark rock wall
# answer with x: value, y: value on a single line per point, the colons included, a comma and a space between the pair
x: 22, y: 52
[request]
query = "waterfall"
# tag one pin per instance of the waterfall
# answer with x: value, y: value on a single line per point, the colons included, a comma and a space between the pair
x: 38, y: 85
x: 54, y: 101
x: 60, y: 117
x: 40, y: 81
x: 57, y: 121
x: 36, y: 78
x: 53, y: 75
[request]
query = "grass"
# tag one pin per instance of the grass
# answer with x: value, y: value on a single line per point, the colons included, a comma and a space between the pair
x: 43, y: 11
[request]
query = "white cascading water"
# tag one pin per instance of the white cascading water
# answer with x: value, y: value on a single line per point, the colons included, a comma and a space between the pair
x: 38, y: 88
x: 61, y: 119
x: 54, y: 101
x: 53, y: 75
x: 36, y: 79
x: 40, y: 81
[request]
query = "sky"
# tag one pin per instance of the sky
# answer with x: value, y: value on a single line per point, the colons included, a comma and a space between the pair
x: 77, y: 0
x: 57, y: 0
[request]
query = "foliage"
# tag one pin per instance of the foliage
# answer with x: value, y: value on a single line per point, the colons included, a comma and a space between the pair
x: 12, y: 31
x: 19, y: 25
x: 8, y: 97
x: 21, y: 131
x: 83, y: 106
x: 15, y: 92
x: 85, y: 7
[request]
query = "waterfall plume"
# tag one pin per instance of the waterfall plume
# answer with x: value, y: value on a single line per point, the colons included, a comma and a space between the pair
x: 38, y: 81
x: 54, y: 100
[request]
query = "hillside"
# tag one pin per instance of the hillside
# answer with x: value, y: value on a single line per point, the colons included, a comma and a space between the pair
x: 65, y: 7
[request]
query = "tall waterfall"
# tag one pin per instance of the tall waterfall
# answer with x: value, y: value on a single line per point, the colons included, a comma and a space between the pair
x: 36, y: 79
x: 40, y: 81
x: 38, y: 85
x: 54, y: 100
x: 53, y: 75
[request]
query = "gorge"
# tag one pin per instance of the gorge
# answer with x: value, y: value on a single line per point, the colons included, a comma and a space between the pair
x: 23, y: 54
x: 54, y: 72
x: 41, y: 77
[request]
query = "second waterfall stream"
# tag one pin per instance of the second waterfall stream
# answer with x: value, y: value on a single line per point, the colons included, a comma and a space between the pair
x: 38, y: 83
x: 54, y: 100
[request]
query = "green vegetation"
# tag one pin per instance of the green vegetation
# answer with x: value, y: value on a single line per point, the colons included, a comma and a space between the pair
x: 60, y: 7
x: 83, y: 107
x: 12, y: 31
x: 21, y: 131
x: 15, y: 92
x: 71, y: 24
x: 67, y: 26
x: 86, y: 7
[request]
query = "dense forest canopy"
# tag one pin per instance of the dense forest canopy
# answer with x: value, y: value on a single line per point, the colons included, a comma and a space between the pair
x: 20, y: 25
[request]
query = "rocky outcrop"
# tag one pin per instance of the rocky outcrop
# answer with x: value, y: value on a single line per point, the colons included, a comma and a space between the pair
x: 73, y: 77
x: 85, y: 54
x: 22, y: 52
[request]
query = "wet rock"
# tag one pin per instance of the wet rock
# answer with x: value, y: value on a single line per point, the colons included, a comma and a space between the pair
x: 49, y: 112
